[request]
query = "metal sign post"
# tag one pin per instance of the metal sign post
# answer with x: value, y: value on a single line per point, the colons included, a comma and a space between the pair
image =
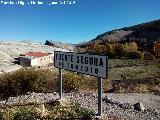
x: 60, y: 83
x: 99, y: 96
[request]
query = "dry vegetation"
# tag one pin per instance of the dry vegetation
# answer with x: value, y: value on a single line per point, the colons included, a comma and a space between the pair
x: 133, y: 69
x: 144, y: 71
x: 44, y: 80
x: 47, y: 111
x: 116, y: 50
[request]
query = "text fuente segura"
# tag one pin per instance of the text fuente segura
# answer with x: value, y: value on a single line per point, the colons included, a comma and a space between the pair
x: 89, y: 64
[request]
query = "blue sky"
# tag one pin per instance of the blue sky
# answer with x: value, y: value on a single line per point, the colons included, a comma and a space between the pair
x: 73, y: 23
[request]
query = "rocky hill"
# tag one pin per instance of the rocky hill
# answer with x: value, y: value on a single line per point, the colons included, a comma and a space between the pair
x: 59, y: 45
x: 148, y: 32
x: 11, y: 50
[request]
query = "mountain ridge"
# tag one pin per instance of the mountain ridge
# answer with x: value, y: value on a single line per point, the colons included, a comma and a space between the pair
x: 149, y: 31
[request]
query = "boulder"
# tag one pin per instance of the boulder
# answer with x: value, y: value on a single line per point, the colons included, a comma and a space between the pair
x: 139, y: 106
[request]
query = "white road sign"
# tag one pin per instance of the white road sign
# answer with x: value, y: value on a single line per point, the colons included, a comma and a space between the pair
x: 95, y: 65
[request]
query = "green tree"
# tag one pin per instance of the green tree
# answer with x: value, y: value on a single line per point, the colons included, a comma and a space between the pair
x: 119, y: 49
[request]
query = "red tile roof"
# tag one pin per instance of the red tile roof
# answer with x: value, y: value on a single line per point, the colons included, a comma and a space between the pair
x: 36, y: 54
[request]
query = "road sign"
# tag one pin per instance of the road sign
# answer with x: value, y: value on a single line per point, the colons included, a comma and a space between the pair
x: 95, y: 65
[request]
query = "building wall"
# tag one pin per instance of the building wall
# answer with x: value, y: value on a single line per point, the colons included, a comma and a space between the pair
x: 37, y: 62
x: 25, y: 61
x: 42, y: 61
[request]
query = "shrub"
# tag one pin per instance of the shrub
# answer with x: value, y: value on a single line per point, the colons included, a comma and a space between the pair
x: 71, y: 82
x: 136, y: 55
x: 119, y: 50
x: 82, y: 112
x: 1, y: 116
x: 156, y: 89
x: 69, y: 111
x: 116, y: 50
x: 132, y: 46
x: 26, y: 80
x: 47, y: 112
x: 140, y: 88
x: 157, y: 49
x: 43, y: 80
x: 110, y: 50
x: 149, y: 56
x: 23, y: 115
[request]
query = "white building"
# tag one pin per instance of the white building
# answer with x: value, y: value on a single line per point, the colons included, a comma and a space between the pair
x: 36, y: 59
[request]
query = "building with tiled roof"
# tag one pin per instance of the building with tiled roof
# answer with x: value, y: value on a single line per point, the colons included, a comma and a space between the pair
x: 36, y: 59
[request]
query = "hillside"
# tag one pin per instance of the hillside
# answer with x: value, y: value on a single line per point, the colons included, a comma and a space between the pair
x: 148, y: 32
x: 11, y: 50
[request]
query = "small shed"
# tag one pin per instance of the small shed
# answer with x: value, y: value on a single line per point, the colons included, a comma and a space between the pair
x: 37, y: 59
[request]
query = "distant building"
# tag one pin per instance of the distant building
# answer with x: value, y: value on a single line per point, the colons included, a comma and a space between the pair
x: 36, y: 59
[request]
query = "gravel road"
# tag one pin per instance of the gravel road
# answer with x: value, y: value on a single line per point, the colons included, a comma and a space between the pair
x: 119, y: 106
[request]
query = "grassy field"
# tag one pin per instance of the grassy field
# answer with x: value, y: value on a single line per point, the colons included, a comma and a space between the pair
x: 56, y: 110
x: 133, y: 68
